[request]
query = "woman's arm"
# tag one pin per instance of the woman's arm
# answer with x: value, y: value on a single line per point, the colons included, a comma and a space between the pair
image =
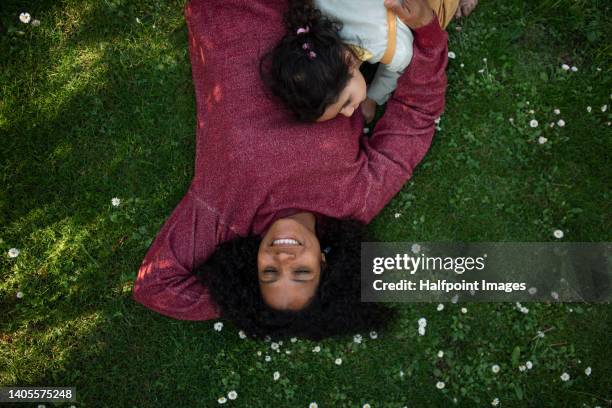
x: 404, y: 133
x: 165, y: 283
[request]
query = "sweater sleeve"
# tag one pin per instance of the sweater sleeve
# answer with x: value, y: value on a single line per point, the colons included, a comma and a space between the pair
x: 404, y: 133
x: 165, y: 283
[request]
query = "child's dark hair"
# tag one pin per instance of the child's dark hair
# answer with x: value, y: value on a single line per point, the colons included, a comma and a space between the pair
x: 307, y: 83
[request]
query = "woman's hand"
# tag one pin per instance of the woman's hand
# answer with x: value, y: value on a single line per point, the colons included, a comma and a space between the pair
x: 414, y: 13
x: 368, y: 108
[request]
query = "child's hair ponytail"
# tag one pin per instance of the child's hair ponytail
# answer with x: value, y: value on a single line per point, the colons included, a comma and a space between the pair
x: 310, y: 65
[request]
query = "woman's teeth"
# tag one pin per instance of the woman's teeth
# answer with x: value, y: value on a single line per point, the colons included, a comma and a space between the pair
x: 285, y: 241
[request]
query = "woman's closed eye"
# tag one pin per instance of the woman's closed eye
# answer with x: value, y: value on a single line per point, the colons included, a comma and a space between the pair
x: 297, y: 271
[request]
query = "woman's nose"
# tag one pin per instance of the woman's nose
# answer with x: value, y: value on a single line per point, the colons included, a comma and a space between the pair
x: 284, y: 255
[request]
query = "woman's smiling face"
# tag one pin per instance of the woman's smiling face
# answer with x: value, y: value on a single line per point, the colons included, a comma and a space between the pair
x: 289, y: 263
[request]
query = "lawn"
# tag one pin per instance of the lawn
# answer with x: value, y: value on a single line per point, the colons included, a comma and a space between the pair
x: 97, y: 102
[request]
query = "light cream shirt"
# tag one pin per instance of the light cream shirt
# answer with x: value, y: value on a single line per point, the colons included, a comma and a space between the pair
x: 365, y: 27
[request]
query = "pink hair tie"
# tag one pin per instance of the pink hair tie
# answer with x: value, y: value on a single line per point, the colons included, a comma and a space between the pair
x: 312, y: 55
x: 303, y: 30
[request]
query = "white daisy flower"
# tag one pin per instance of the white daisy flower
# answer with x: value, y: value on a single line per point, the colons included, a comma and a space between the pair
x: 35, y: 23
x: 287, y: 351
x: 531, y: 111
x: 541, y: 334
x: 313, y: 405
x: 495, y: 402
x: 552, y: 124
x: 357, y: 338
x: 222, y: 400
x: 401, y: 374
x: 524, y: 310
x: 25, y: 18
x: 529, y: 365
x: 276, y: 375
x: 565, y: 377
x: 218, y: 326
x: 316, y: 349
x: 557, y: 111
x: 115, y: 202
x: 554, y: 295
x: 522, y: 368
x: 366, y: 405
x: 480, y: 71
x: 421, y: 330
x: 397, y: 215
x: 267, y: 358
x: 440, y: 307
x: 542, y: 140
x: 532, y: 290
x: 588, y: 371
x: 232, y: 395
x: 259, y: 353
x: 373, y: 335
x: 589, y: 109
x: 437, y: 121
x: 533, y: 123
x: 19, y: 295
x: 604, y: 108
x: 293, y: 339
x: 463, y: 310
x: 462, y: 65
x: 495, y: 368
x: 452, y: 55
x: 13, y: 253
x: 484, y: 60
x: 574, y: 68
x: 440, y: 385
x: 422, y: 322
x: 560, y: 123
x: 242, y: 334
x: 274, y: 346
x: 558, y: 234
x: 338, y: 361
x: 440, y: 354
x: 565, y: 67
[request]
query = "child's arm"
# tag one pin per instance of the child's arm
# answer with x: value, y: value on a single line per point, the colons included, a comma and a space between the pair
x: 165, y: 283
x: 383, y: 84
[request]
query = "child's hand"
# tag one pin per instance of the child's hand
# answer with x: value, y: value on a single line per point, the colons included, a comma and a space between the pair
x: 413, y: 13
x: 368, y: 108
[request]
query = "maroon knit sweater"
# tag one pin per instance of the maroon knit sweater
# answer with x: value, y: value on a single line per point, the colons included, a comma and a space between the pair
x: 255, y: 164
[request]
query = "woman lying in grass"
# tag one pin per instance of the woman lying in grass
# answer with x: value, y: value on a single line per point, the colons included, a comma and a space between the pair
x: 268, y: 235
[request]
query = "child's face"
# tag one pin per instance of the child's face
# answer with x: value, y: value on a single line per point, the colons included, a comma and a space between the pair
x: 351, y: 96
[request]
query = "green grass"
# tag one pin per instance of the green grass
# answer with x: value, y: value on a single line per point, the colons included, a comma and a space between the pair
x: 95, y: 104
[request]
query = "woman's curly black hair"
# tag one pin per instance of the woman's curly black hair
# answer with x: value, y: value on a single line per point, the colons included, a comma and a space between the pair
x: 306, y: 84
x: 230, y: 274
